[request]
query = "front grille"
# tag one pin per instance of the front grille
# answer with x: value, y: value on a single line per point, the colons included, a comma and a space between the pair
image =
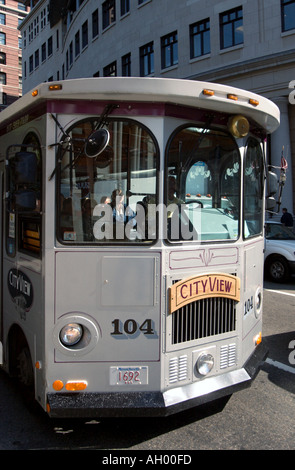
x: 203, y: 318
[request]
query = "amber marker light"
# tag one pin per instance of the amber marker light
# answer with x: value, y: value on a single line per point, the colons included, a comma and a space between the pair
x: 76, y: 386
x: 208, y: 92
x: 55, y: 87
x: 35, y: 93
x: 258, y: 339
x: 232, y: 97
x: 57, y: 385
x: 254, y: 102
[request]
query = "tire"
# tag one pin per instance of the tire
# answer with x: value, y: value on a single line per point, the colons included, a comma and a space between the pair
x: 277, y: 269
x: 25, y: 368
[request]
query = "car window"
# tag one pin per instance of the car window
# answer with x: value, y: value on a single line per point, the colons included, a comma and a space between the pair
x: 278, y: 232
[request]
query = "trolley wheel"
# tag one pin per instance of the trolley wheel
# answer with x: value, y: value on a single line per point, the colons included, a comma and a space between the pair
x: 25, y: 368
x: 277, y: 269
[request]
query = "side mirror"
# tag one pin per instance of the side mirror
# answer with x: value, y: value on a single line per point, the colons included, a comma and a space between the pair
x: 270, y: 204
x: 272, y: 184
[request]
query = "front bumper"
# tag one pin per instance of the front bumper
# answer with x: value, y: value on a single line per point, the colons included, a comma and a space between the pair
x: 137, y: 404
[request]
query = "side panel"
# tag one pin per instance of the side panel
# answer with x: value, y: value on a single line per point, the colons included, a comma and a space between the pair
x: 116, y: 297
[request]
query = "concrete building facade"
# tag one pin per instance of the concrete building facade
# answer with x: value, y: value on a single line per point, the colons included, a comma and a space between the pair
x: 244, y: 43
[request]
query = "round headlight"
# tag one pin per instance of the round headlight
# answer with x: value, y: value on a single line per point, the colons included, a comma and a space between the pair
x: 71, y: 334
x: 205, y: 363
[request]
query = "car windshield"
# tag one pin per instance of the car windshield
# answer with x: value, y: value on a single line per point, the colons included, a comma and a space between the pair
x: 278, y: 232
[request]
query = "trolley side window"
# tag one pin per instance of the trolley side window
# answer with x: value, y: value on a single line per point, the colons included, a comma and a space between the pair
x: 101, y: 193
x: 253, y: 189
x: 23, y: 197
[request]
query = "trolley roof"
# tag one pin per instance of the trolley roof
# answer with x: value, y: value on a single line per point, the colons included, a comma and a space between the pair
x: 204, y: 95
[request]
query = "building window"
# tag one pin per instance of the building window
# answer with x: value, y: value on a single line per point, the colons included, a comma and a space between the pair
x: 49, y: 46
x: 43, y: 52
x: 2, y: 78
x: 110, y: 70
x: 2, y: 18
x: 169, y: 49
x: 108, y: 13
x: 200, y: 38
x: 288, y: 14
x: 21, y: 6
x: 126, y: 65
x: 231, y: 28
x: 36, y: 58
x: 2, y: 58
x: 84, y: 34
x: 2, y: 39
x: 31, y: 64
x: 125, y: 7
x: 77, y: 43
x: 95, y: 23
x: 71, y: 53
x: 146, y: 59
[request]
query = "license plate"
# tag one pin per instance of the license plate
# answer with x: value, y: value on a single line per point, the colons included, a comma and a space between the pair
x: 129, y: 375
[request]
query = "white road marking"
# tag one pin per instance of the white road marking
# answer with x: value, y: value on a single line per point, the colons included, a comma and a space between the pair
x: 280, y: 292
x: 281, y: 366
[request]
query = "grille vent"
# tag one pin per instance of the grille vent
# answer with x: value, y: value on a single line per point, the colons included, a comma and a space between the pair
x: 177, y: 369
x: 203, y: 318
x: 227, y: 356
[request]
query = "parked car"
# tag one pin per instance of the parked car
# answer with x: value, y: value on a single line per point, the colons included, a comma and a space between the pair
x: 279, y: 254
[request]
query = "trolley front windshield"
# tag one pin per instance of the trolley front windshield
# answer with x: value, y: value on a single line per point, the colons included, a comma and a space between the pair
x: 114, y: 197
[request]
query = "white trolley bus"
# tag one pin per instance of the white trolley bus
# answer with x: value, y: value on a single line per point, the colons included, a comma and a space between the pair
x: 132, y: 243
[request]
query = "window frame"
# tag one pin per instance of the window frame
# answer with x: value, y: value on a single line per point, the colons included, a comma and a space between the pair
x: 231, y: 22
x: 169, y: 50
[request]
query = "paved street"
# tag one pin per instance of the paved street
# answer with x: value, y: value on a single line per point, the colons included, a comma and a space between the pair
x: 261, y: 417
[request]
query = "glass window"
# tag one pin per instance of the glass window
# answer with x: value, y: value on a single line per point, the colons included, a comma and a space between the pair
x: 231, y: 28
x: 2, y: 78
x: 24, y: 198
x: 2, y: 39
x: 203, y: 186
x: 253, y: 189
x: 288, y: 14
x: 2, y: 58
x: 95, y: 23
x: 125, y: 7
x: 77, y: 43
x: 126, y: 65
x: 110, y: 70
x: 102, y: 199
x: 108, y: 13
x: 169, y: 47
x: 146, y: 59
x: 200, y: 38
x: 84, y: 34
